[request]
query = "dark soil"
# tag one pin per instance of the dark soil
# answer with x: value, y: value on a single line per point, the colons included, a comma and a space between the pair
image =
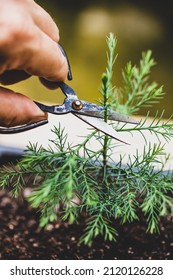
x: 21, y: 238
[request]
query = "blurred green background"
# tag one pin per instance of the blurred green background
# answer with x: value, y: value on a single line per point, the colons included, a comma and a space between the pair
x: 84, y: 25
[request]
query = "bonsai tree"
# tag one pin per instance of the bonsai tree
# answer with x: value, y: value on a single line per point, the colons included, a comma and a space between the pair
x: 69, y: 180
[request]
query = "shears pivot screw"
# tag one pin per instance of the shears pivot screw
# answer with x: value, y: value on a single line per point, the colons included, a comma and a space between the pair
x: 77, y: 105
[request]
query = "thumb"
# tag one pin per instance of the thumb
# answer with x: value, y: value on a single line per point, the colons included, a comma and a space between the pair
x: 17, y: 109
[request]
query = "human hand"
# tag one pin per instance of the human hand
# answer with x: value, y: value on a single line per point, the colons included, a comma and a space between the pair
x: 28, y: 46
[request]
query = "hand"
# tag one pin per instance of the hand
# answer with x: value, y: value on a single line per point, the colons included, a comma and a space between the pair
x: 28, y: 46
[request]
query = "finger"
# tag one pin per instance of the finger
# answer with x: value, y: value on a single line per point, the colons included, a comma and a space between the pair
x: 17, y: 109
x: 44, y: 21
x: 46, y: 59
x: 10, y: 77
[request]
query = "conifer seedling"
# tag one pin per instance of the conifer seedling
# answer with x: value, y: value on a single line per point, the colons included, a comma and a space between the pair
x: 69, y: 180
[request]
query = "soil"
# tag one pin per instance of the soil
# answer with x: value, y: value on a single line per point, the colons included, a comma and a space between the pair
x: 21, y: 238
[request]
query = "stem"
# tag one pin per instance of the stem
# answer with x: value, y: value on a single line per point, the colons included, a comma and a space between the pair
x: 105, y: 104
x: 106, y: 91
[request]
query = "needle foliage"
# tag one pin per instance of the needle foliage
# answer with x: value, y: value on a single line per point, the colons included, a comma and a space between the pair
x: 69, y: 180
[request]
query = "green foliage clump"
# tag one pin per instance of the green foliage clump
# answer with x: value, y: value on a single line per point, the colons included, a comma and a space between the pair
x: 69, y: 180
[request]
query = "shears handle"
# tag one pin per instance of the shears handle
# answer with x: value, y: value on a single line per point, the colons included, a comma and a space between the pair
x: 69, y: 75
x: 22, y: 128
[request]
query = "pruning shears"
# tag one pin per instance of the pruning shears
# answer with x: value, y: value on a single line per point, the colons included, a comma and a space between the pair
x: 88, y: 112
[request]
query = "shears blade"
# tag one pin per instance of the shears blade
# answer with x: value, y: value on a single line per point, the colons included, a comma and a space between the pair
x: 112, y: 115
x: 102, y: 126
x: 94, y: 110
